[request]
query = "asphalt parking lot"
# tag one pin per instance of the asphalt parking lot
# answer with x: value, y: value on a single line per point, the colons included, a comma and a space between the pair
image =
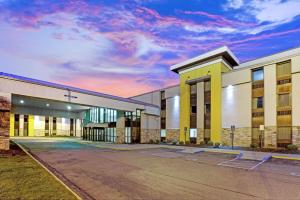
x: 162, y: 173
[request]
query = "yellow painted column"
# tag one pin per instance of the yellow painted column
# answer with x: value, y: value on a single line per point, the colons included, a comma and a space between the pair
x: 216, y: 104
x: 12, y: 125
x: 214, y: 71
x: 30, y: 125
x: 184, y: 110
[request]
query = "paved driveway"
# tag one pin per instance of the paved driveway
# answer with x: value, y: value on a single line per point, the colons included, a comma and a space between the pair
x: 159, y: 173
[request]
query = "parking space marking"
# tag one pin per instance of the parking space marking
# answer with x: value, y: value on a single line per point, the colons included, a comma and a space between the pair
x: 266, y: 158
x: 237, y: 162
x: 227, y: 161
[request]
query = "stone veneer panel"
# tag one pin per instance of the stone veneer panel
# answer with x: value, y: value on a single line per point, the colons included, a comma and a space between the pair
x: 148, y: 134
x: 172, y: 134
x: 270, y: 135
x: 4, y: 122
x: 242, y: 137
x: 120, y: 135
x: 200, y: 135
x: 296, y: 135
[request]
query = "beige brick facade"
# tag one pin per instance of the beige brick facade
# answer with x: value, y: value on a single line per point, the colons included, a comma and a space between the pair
x: 270, y: 137
x: 5, y: 106
x: 150, y: 134
x: 120, y: 135
x: 296, y: 135
x: 242, y: 137
x: 172, y: 134
x: 200, y: 135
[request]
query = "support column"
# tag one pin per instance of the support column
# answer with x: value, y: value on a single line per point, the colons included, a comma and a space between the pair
x: 184, y: 110
x: 5, y: 107
x: 200, y: 112
x: 295, y: 100
x: 120, y: 127
x: 270, y: 137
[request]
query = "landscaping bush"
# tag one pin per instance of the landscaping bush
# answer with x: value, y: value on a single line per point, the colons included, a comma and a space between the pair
x: 292, y: 147
x: 151, y: 141
x: 224, y: 144
x: 217, y: 145
x: 174, y: 142
x: 156, y: 141
x: 202, y: 143
x: 210, y: 143
x: 254, y: 146
x: 187, y: 143
x: 181, y: 143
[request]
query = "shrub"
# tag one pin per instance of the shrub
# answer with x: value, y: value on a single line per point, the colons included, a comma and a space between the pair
x: 181, y: 143
x: 292, y: 147
x: 187, y: 143
x: 202, y: 143
x: 224, y: 144
x: 210, y: 143
x: 254, y: 146
x: 217, y: 145
x: 174, y: 142
x: 156, y: 141
x: 151, y: 141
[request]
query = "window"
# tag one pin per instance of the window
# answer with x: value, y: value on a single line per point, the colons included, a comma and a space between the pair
x: 194, y: 89
x: 258, y: 74
x: 258, y: 102
x: 283, y: 100
x: 283, y: 69
x: 193, y: 133
x: 207, y: 108
x: 206, y: 86
x: 162, y: 133
x: 194, y: 109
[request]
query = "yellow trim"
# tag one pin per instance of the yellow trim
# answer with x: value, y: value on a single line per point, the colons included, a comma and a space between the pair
x: 55, y: 177
x: 11, y: 125
x: 215, y: 72
x: 285, y: 157
x: 225, y: 152
x: 30, y: 125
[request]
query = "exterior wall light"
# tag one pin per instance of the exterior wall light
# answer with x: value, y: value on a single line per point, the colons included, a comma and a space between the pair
x: 69, y: 107
x: 47, y: 104
x: 22, y: 101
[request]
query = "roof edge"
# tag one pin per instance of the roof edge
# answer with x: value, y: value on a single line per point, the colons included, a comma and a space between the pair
x: 74, y: 89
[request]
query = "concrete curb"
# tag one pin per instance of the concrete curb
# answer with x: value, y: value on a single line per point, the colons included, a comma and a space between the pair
x: 55, y: 177
x: 224, y: 152
x: 286, y: 158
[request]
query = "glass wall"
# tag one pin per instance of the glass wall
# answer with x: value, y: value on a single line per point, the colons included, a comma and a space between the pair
x: 100, y: 116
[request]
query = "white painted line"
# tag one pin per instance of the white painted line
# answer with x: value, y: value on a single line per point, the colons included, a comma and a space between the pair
x: 266, y: 158
x: 227, y: 161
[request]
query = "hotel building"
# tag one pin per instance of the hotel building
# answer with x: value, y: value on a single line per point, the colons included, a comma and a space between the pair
x: 259, y: 98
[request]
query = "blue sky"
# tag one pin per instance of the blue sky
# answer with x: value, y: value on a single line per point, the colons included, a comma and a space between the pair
x: 125, y: 47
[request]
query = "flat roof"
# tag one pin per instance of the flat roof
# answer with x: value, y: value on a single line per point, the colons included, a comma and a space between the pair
x: 223, y: 51
x: 273, y: 57
x: 70, y: 88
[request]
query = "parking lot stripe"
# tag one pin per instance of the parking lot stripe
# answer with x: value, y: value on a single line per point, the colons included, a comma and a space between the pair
x: 236, y: 158
x: 266, y: 158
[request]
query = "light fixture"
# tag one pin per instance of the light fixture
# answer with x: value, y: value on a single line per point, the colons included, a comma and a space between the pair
x: 47, y: 104
x: 69, y: 107
x: 21, y: 101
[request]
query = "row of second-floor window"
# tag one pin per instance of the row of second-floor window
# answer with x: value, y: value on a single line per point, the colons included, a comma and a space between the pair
x: 133, y: 119
x: 102, y: 115
x: 282, y: 101
x: 282, y: 69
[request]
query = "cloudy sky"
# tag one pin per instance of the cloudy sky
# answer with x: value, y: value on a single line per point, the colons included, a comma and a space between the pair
x: 125, y: 47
